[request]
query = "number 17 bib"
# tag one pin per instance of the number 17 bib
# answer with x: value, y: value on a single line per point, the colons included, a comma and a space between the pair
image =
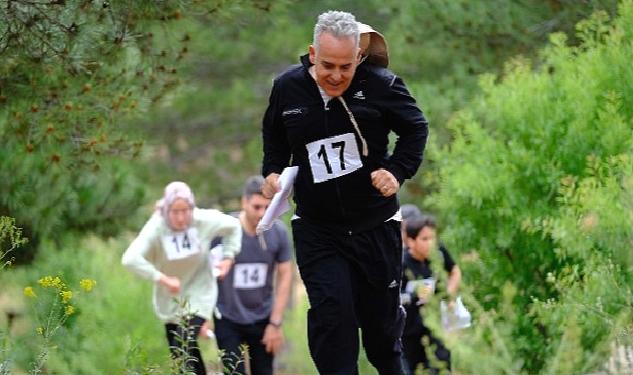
x: 333, y: 157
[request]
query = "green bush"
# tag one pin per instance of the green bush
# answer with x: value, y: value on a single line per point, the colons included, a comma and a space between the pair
x: 113, y: 328
x: 535, y: 192
x: 10, y: 240
x: 73, y: 74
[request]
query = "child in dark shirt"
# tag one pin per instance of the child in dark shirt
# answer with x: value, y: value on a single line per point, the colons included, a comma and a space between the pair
x: 418, y: 286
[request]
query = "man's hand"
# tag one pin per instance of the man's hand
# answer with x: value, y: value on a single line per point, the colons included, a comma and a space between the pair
x: 385, y: 182
x: 271, y: 185
x: 273, y: 339
x: 171, y: 283
x: 224, y: 267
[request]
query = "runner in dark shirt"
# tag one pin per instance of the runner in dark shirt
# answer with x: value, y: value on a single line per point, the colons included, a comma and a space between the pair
x: 418, y: 286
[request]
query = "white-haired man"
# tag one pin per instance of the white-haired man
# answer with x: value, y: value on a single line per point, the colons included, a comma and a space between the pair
x: 332, y: 117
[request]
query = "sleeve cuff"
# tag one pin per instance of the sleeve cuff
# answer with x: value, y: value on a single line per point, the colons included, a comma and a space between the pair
x: 272, y: 169
x: 228, y: 252
x: 397, y: 172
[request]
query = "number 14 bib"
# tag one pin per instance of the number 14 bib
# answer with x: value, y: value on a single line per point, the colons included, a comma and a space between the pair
x: 181, y: 245
x: 333, y: 157
x: 249, y: 275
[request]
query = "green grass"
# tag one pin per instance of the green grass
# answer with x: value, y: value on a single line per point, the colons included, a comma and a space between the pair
x: 114, y: 327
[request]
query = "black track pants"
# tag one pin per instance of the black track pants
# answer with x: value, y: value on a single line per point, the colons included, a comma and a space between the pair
x: 231, y: 335
x: 186, y: 340
x: 353, y: 281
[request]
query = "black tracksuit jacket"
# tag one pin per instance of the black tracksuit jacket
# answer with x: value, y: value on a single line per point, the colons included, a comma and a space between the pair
x: 380, y: 103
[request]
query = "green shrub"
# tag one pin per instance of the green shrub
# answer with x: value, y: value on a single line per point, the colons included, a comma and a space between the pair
x: 535, y: 192
x: 114, y: 329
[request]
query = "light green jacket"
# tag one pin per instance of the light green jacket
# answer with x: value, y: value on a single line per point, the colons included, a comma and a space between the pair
x: 148, y: 256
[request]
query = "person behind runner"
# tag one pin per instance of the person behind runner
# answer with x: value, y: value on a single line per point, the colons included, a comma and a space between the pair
x: 419, y: 284
x: 254, y: 293
x: 373, y: 46
x: 171, y: 250
x: 408, y: 211
x: 332, y: 117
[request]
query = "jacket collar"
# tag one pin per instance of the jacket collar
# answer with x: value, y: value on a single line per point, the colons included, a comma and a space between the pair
x: 305, y: 61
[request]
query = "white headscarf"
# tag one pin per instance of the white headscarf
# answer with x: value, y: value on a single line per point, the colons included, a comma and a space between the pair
x: 175, y: 190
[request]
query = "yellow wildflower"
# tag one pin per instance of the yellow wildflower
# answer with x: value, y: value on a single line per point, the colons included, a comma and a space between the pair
x: 40, y: 331
x: 46, y: 281
x: 57, y: 283
x: 29, y: 292
x: 67, y: 295
x: 87, y: 284
x: 49, y: 281
x: 69, y: 310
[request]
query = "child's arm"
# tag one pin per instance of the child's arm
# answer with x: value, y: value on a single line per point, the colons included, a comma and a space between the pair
x: 454, y: 279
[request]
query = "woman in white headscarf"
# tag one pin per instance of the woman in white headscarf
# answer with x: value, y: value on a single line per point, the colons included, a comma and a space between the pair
x: 172, y: 251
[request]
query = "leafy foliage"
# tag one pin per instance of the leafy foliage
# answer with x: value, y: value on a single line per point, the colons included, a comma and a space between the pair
x: 73, y: 74
x: 536, y: 188
x: 10, y: 239
x: 116, y: 319
x: 440, y: 50
x: 532, y: 178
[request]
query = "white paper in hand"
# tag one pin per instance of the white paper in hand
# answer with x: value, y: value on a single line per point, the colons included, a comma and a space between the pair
x: 279, y: 205
x: 458, y: 318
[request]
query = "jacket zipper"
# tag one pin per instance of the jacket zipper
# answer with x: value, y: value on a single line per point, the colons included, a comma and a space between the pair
x: 336, y: 185
x: 326, y: 109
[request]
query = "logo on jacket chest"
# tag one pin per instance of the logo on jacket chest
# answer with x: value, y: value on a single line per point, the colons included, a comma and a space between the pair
x: 291, y: 112
x: 359, y: 95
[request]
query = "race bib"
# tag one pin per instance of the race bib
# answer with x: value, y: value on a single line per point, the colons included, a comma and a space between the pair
x: 414, y: 285
x: 181, y: 245
x: 423, y: 289
x: 333, y: 157
x: 249, y: 275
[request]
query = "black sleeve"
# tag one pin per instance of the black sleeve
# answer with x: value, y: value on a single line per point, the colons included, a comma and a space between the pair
x: 408, y: 122
x: 276, y: 147
x: 449, y: 263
